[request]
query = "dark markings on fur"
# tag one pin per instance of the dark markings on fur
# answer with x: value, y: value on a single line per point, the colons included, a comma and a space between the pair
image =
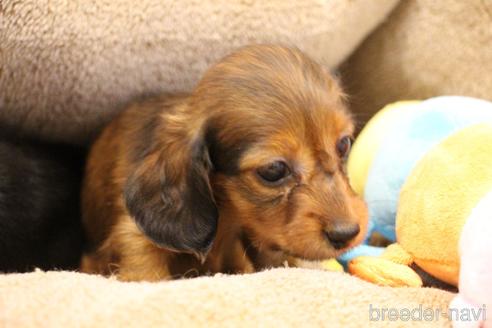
x: 179, y: 215
x: 259, y: 200
x: 225, y: 157
x: 145, y: 136
x: 291, y: 204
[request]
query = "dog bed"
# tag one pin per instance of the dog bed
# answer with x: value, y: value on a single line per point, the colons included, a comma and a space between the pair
x: 67, y: 67
x: 286, y: 297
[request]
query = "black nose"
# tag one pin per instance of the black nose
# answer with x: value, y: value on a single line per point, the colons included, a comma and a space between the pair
x: 340, y: 235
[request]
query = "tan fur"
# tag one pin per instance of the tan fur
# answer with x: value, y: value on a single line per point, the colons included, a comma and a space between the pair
x: 257, y: 105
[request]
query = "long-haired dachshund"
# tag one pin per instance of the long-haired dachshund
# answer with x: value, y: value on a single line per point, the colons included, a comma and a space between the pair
x: 240, y: 174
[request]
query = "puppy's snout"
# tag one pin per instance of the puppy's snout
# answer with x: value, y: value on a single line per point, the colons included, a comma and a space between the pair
x: 340, y: 235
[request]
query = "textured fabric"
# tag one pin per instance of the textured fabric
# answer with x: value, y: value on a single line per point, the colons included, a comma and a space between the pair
x: 282, y: 297
x: 68, y: 66
x: 424, y: 49
x: 438, y: 197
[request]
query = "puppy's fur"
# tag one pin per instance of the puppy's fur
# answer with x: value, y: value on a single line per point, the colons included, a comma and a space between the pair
x: 175, y: 185
x: 40, y: 222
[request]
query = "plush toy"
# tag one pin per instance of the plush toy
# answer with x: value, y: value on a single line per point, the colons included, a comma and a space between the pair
x: 434, y: 205
x: 476, y: 266
x: 331, y: 265
x: 360, y: 161
x: 390, y: 146
x: 436, y: 186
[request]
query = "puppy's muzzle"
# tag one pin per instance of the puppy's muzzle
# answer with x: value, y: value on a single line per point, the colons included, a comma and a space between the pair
x: 340, y: 235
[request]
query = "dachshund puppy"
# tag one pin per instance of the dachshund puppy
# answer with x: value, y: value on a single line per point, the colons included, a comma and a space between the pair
x: 242, y: 173
x: 40, y: 224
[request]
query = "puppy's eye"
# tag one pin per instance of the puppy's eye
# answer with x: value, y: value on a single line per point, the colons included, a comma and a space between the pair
x: 343, y: 146
x: 273, y: 172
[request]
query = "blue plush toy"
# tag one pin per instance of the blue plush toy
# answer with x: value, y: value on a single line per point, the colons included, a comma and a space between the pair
x: 391, y: 145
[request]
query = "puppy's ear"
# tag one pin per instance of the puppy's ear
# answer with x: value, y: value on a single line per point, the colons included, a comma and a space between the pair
x: 170, y: 197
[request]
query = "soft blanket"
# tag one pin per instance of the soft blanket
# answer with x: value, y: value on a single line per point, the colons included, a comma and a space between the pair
x: 67, y: 67
x: 285, y: 297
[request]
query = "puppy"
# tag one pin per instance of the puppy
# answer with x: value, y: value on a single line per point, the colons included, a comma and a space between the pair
x: 40, y: 222
x: 238, y: 175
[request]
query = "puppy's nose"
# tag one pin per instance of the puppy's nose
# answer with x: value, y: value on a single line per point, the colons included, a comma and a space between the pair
x: 340, y: 235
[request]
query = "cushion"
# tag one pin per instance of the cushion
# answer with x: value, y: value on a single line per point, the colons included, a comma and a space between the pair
x: 285, y: 297
x: 424, y: 49
x: 67, y: 67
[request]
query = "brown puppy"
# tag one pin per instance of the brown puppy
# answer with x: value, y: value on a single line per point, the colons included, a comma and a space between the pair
x: 248, y: 169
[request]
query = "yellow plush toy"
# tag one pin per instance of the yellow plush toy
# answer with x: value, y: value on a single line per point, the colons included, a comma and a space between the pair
x: 441, y: 150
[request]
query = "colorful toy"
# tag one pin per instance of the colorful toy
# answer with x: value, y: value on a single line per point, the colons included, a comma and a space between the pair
x: 428, y: 184
x: 390, y: 146
x: 331, y: 265
x: 360, y: 161
x: 435, y: 203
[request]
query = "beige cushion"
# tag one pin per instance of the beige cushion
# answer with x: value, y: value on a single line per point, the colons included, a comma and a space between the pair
x: 425, y: 49
x: 68, y: 66
x: 284, y: 297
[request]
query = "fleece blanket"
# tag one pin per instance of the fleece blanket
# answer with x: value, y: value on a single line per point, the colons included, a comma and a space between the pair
x: 66, y: 67
x: 284, y: 297
x: 424, y: 49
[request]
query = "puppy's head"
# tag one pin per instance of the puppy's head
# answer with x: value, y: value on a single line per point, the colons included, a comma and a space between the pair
x: 263, y: 141
x: 278, y: 135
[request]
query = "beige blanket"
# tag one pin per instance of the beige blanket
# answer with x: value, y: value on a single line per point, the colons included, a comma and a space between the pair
x: 424, y: 49
x: 284, y: 297
x: 66, y: 67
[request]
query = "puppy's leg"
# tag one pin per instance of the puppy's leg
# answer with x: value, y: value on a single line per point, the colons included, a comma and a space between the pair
x: 138, y: 258
x: 236, y: 259
x: 143, y: 266
x: 128, y: 255
x: 96, y: 263
x: 228, y: 254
